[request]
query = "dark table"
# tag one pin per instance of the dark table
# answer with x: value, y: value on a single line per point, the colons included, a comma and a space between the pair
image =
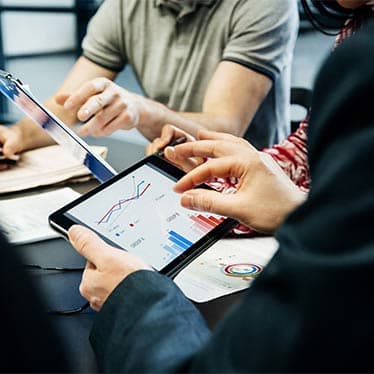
x: 60, y: 289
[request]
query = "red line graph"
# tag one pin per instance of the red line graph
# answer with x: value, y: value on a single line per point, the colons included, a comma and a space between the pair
x: 118, y: 206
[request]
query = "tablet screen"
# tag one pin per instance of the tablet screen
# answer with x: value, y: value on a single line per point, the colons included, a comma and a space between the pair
x: 141, y: 213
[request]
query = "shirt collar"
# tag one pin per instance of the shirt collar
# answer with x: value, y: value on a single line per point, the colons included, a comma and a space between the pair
x: 183, y: 7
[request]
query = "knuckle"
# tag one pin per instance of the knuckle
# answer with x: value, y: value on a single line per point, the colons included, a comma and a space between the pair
x: 122, y: 106
x: 212, y: 147
x: 83, y: 290
x: 126, y: 117
x: 116, y: 94
x: 108, y: 130
x: 205, y: 203
x: 100, y: 121
x: 93, y: 85
x: 82, y: 242
x: 100, y: 100
x: 95, y: 306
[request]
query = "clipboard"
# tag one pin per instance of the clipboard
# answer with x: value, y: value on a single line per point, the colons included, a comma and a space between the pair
x: 21, y: 96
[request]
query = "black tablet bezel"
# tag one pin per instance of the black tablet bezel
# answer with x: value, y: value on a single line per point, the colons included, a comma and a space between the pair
x: 62, y: 223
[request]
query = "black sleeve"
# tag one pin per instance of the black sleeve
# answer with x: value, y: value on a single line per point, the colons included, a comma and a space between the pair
x: 28, y: 341
x: 312, y: 309
x: 147, y: 325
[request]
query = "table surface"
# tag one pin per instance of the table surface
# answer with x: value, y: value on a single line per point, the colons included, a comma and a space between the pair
x: 60, y: 289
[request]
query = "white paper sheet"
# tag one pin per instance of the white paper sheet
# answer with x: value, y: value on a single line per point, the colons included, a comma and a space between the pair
x: 25, y: 219
x: 230, y: 265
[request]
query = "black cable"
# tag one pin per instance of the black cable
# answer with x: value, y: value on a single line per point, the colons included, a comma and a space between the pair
x: 57, y: 268
x: 335, y: 13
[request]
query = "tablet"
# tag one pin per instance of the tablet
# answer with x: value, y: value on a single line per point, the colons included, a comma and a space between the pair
x: 138, y: 211
x: 21, y: 96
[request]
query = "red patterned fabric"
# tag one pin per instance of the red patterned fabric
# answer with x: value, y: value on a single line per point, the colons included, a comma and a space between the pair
x: 291, y: 155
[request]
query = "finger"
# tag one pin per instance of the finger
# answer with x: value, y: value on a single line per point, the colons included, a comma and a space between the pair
x: 61, y: 98
x: 88, y: 244
x: 168, y: 133
x: 97, y: 126
x: 87, y: 90
x: 223, y: 167
x: 10, y: 140
x: 94, y: 105
x: 209, y: 201
x: 214, y: 135
x: 102, y: 123
x: 96, y: 304
x: 205, y: 148
x: 186, y: 164
x: 152, y: 147
x: 90, y: 266
x: 92, y: 127
x: 116, y: 124
x: 123, y: 121
x: 85, y: 287
x: 166, y: 136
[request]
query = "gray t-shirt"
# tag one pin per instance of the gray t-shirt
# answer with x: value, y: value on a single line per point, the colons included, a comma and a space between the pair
x: 174, y: 50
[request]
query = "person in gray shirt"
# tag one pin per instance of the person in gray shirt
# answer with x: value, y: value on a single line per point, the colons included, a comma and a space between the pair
x: 215, y: 64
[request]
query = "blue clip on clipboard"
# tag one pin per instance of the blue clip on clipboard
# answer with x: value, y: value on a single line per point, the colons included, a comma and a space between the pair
x: 20, y: 95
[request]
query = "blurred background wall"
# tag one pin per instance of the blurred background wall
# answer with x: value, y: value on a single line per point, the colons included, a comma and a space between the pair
x: 40, y: 40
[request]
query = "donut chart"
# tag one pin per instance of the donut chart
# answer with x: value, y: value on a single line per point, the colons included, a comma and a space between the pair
x: 242, y: 270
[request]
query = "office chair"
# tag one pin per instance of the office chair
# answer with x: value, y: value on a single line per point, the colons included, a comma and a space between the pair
x: 301, y: 97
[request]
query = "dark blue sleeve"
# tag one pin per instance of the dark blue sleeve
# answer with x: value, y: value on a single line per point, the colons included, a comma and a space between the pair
x: 147, y: 325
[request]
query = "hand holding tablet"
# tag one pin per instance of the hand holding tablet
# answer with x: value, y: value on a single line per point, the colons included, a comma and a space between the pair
x: 138, y: 211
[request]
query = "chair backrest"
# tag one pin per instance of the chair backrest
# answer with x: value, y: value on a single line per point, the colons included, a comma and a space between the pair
x: 301, y: 97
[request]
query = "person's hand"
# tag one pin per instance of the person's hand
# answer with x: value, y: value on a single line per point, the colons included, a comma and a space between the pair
x: 11, y: 142
x: 106, y: 266
x: 265, y: 194
x: 170, y: 133
x: 105, y: 106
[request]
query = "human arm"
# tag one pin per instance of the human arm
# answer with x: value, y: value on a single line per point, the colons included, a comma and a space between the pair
x: 144, y: 289
x: 254, y: 54
x: 26, y: 134
x: 231, y: 100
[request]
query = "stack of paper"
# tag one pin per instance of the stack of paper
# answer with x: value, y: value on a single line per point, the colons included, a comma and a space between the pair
x: 44, y: 166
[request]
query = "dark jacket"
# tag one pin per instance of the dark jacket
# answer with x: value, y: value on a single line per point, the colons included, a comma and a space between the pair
x: 29, y: 343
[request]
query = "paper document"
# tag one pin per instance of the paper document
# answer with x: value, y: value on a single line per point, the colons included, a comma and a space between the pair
x: 25, y: 219
x: 43, y: 166
x: 230, y: 265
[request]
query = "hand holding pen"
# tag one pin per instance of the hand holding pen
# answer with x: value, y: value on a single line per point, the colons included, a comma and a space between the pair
x: 168, y: 134
x: 172, y: 136
x: 173, y: 143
